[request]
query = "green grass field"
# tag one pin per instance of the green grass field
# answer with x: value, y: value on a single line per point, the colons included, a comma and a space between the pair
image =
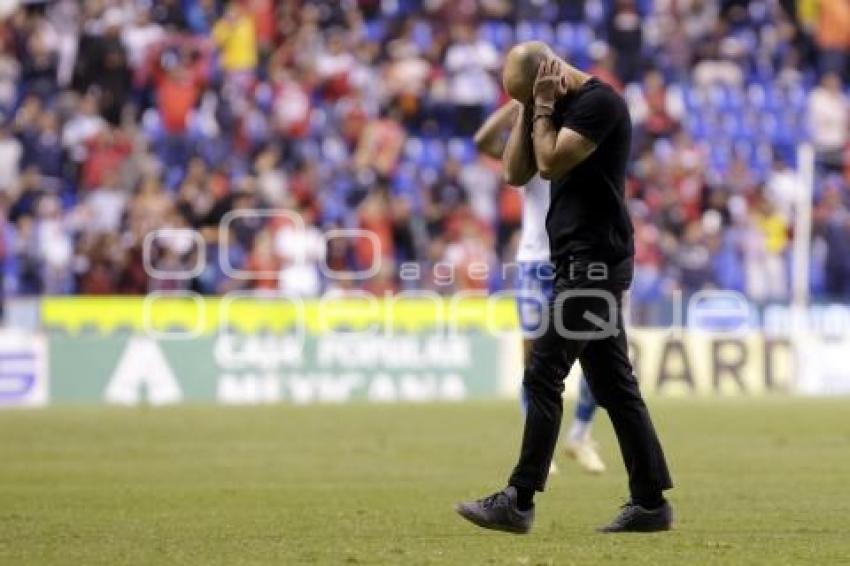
x: 759, y: 482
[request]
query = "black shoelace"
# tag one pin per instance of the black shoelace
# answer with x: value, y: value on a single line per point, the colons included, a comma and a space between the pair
x: 629, y: 508
x: 492, y: 500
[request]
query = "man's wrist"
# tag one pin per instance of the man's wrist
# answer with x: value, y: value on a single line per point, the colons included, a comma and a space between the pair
x: 544, y: 97
x: 544, y: 101
x: 538, y: 117
x: 543, y: 109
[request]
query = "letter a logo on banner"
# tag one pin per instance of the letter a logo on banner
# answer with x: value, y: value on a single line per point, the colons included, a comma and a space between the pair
x: 142, y: 367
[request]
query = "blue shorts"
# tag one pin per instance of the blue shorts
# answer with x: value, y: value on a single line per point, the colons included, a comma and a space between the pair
x: 534, y: 288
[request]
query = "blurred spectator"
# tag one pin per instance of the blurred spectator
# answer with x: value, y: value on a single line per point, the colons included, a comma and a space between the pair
x: 471, y: 64
x: 236, y: 37
x: 291, y: 105
x: 55, y: 251
x: 169, y: 14
x: 141, y: 36
x: 83, y: 124
x: 380, y: 146
x: 833, y: 36
x: 302, y: 252
x: 604, y: 65
x: 334, y: 65
x: 481, y: 180
x: 829, y: 120
x: 832, y: 223
x: 655, y: 108
x: 102, y: 64
x: 201, y: 16
x: 783, y: 187
x: 263, y: 262
x: 625, y: 34
x: 11, y: 151
x: 42, y: 147
x: 106, y: 154
x: 471, y: 258
x: 691, y: 260
x: 767, y: 278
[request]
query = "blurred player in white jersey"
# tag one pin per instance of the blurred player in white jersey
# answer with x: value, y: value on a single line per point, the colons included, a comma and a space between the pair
x: 535, y: 279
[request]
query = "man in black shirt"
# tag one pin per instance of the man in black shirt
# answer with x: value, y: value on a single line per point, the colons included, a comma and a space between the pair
x: 576, y: 131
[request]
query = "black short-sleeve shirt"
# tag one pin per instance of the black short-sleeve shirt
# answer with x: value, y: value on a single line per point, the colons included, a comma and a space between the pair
x: 588, y: 219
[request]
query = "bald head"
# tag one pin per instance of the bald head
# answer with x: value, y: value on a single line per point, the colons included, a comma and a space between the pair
x: 520, y: 70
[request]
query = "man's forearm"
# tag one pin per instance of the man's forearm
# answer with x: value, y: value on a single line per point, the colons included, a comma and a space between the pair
x: 519, y: 163
x: 557, y: 152
x: 544, y: 139
x: 490, y: 138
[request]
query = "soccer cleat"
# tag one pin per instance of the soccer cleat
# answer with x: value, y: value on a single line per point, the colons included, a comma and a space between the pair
x: 498, y: 512
x: 584, y: 452
x: 636, y: 519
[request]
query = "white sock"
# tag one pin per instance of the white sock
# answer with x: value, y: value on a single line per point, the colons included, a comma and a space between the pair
x: 579, y: 431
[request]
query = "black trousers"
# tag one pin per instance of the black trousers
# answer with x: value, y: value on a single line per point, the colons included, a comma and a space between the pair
x: 585, y: 323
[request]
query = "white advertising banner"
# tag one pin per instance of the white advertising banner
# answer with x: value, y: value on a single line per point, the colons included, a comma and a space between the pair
x: 24, y: 378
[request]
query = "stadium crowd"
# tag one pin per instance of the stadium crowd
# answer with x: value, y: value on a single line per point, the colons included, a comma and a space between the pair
x: 122, y: 117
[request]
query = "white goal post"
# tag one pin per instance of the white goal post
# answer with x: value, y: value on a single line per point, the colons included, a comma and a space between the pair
x: 802, y: 243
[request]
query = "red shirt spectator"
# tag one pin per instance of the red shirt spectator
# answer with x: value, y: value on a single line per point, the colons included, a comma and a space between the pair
x: 106, y: 154
x: 264, y: 15
x: 177, y: 94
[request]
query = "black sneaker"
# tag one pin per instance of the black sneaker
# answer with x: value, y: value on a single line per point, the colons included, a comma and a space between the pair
x: 498, y: 512
x: 636, y: 519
